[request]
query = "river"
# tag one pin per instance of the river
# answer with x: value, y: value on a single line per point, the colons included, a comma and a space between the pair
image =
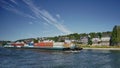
x: 19, y: 58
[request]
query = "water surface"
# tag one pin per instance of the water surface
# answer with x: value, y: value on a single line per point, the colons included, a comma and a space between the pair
x: 18, y: 58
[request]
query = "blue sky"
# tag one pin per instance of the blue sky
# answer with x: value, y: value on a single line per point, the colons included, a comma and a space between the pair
x: 21, y: 19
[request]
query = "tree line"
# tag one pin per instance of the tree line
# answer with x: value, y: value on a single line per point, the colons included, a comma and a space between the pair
x: 76, y: 36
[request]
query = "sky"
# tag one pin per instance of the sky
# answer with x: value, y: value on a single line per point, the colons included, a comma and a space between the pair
x: 21, y: 19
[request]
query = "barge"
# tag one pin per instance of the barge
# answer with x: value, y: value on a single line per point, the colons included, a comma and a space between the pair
x: 45, y: 45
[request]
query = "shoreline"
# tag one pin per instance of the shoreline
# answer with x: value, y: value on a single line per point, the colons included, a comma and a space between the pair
x: 102, y: 48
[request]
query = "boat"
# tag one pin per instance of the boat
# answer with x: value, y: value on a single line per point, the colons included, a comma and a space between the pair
x: 45, y: 45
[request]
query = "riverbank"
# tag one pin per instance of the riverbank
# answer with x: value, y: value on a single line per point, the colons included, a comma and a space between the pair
x: 98, y: 47
x: 102, y: 48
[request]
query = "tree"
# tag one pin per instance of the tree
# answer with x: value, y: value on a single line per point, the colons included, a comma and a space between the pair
x: 76, y: 36
x: 35, y: 40
x: 106, y: 34
x: 89, y: 40
x: 92, y: 34
x: 55, y: 39
x: 99, y: 35
x: 115, y: 38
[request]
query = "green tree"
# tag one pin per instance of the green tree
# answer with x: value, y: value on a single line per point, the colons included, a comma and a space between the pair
x: 92, y: 34
x: 35, y: 40
x: 89, y: 40
x: 76, y: 36
x: 99, y: 35
x: 55, y: 39
x: 115, y: 38
x: 83, y: 34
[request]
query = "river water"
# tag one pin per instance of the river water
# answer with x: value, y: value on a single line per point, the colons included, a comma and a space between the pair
x: 19, y: 58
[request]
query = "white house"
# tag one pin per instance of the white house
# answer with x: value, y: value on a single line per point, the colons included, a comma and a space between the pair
x: 84, y: 40
x: 105, y: 41
x: 96, y: 41
x: 102, y: 41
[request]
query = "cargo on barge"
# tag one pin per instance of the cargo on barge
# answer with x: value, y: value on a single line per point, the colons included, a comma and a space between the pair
x: 45, y: 45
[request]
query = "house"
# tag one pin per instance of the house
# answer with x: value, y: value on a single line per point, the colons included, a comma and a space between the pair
x: 105, y: 41
x: 102, y: 41
x: 96, y: 41
x: 84, y: 40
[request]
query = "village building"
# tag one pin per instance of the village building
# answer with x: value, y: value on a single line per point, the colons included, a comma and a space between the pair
x: 84, y: 40
x: 105, y: 41
x: 96, y: 41
x: 102, y: 41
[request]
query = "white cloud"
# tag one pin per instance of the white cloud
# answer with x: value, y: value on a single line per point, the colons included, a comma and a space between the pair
x: 14, y: 2
x: 46, y: 24
x: 46, y: 16
x: 40, y: 14
x: 30, y: 23
x: 12, y: 8
x: 5, y: 4
x: 58, y: 16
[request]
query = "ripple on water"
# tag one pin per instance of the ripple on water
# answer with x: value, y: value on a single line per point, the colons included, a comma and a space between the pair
x: 18, y: 58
